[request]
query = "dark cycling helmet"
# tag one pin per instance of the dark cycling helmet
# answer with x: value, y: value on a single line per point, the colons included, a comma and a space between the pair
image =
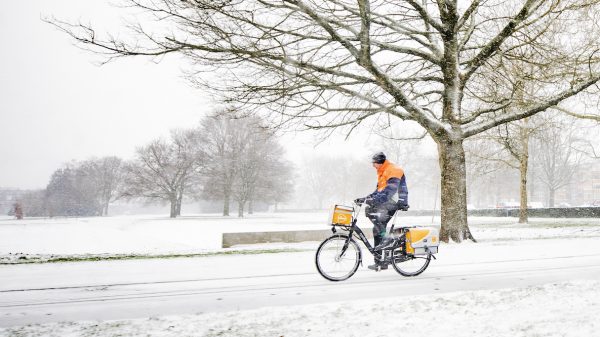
x: 378, y: 158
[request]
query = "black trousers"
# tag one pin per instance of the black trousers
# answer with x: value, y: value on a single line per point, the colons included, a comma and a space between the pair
x: 380, y: 215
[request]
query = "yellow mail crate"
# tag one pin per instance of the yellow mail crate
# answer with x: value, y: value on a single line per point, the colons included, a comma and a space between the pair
x: 342, y: 215
x: 422, y: 241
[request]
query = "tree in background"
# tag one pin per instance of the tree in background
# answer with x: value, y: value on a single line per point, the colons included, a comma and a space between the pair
x: 557, y: 155
x: 262, y: 172
x: 223, y: 145
x: 276, y: 182
x: 106, y: 174
x: 329, y: 64
x: 34, y: 203
x: 78, y: 189
x: 508, y: 145
x: 164, y: 169
x: 72, y: 192
x: 246, y: 163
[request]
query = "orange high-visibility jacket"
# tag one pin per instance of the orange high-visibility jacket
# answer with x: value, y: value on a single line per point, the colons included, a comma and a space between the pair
x: 387, y: 171
x: 391, y: 185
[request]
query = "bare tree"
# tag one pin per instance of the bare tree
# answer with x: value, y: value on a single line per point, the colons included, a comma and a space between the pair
x: 71, y: 191
x: 510, y: 148
x: 259, y: 164
x: 106, y: 174
x: 224, y: 145
x: 163, y: 170
x: 336, y: 63
x: 558, y: 157
x: 83, y: 188
x: 244, y: 160
x: 275, y: 182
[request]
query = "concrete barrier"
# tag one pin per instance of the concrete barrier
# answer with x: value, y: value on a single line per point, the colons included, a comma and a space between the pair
x: 557, y: 212
x: 248, y: 238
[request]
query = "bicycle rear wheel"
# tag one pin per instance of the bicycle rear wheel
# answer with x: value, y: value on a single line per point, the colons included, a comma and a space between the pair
x: 409, y: 265
x: 334, y: 263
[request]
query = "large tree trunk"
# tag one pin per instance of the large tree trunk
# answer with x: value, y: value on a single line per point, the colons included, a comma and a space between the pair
x: 250, y: 207
x: 173, y: 200
x: 454, y: 191
x: 551, y: 197
x: 106, y: 196
x: 523, y: 162
x: 179, y: 201
x: 241, y: 209
x: 226, y: 201
x: 104, y: 211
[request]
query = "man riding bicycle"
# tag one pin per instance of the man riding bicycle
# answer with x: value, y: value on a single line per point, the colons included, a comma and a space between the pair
x: 390, y: 195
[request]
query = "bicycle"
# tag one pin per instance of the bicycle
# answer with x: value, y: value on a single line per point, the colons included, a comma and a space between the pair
x: 339, y: 256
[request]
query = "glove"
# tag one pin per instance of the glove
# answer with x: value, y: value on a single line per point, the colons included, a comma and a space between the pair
x: 359, y: 201
x: 369, y: 201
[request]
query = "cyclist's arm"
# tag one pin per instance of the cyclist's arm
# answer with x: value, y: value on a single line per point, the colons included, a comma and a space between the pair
x: 383, y: 196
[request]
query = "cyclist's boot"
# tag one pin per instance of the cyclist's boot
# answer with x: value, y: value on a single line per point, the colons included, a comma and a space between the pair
x: 378, y: 266
x: 374, y: 266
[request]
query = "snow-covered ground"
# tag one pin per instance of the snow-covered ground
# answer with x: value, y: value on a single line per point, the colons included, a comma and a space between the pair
x: 39, y: 239
x: 539, y: 279
x: 141, y: 235
x: 563, y: 309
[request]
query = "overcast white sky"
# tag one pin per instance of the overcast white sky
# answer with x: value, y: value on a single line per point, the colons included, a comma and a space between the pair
x: 57, y: 104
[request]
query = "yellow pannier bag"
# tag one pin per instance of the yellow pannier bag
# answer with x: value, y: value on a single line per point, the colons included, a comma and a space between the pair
x: 341, y: 215
x: 422, y: 241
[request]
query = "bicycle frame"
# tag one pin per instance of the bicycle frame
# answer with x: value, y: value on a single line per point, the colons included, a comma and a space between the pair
x: 354, y: 229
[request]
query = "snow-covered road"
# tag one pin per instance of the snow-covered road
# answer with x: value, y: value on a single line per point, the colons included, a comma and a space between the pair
x: 142, y: 288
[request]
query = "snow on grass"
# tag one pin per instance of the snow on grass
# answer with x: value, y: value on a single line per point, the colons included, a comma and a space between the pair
x: 137, y: 234
x: 563, y: 309
x: 93, y: 238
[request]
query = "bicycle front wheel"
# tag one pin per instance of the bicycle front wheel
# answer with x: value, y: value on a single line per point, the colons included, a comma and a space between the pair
x: 336, y: 263
x: 409, y: 265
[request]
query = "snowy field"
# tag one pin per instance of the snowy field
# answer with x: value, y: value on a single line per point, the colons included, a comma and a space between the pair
x: 39, y: 239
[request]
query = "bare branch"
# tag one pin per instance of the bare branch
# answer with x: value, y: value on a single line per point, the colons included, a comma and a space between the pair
x: 551, y: 102
x: 494, y: 44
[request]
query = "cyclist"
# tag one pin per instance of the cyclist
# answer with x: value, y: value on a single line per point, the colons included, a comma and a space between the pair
x: 390, y: 195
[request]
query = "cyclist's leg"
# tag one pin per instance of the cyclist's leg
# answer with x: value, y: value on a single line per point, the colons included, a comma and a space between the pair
x: 384, y: 213
x: 376, y: 215
x: 379, y: 216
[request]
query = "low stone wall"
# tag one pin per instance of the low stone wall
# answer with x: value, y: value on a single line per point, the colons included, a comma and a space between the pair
x: 231, y: 239
x: 555, y: 212
x: 571, y: 212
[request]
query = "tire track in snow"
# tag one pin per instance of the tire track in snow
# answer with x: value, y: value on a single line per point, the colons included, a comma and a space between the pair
x: 287, y: 286
x: 108, y: 285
